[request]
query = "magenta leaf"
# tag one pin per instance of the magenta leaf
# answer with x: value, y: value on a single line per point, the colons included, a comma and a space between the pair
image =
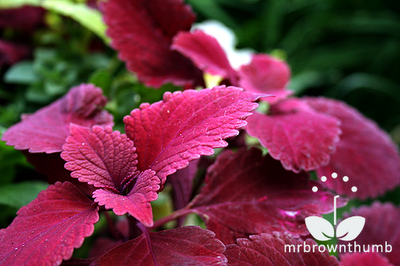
x: 170, y: 133
x: 136, y: 202
x: 364, y: 259
x: 295, y: 134
x: 100, y: 157
x: 47, y: 230
x: 47, y: 129
x: 107, y: 159
x: 381, y: 228
x: 247, y: 193
x: 189, y: 245
x: 266, y: 74
x: 142, y: 32
x: 270, y: 250
x: 365, y: 153
x: 205, y: 51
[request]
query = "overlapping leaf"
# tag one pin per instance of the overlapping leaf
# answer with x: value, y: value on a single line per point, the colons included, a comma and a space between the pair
x: 247, y: 193
x: 47, y: 129
x: 365, y: 153
x: 107, y: 159
x: 142, y: 32
x: 381, y: 228
x: 205, y: 52
x: 301, y: 138
x: 266, y: 74
x: 270, y: 250
x: 136, y: 202
x: 47, y: 230
x: 188, y: 245
x: 170, y: 133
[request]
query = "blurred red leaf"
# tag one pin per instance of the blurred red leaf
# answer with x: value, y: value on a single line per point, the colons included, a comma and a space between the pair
x: 46, y: 129
x: 205, y: 51
x: 365, y: 153
x: 364, y: 259
x: 266, y: 74
x: 381, y: 225
x: 47, y: 230
x: 142, y: 32
x: 11, y: 53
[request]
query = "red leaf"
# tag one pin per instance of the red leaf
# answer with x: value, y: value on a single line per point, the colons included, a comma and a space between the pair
x: 170, y: 133
x: 142, y: 32
x: 365, y: 153
x: 25, y: 18
x: 269, y: 250
x: 100, y: 157
x: 189, y: 245
x: 364, y: 259
x: 382, y: 225
x: 266, y: 74
x: 107, y: 159
x: 47, y: 230
x: 137, y: 202
x: 299, y: 137
x: 47, y: 128
x: 247, y: 193
x: 205, y: 51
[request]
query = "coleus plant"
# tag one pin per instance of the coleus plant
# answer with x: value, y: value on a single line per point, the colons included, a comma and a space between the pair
x: 252, y: 204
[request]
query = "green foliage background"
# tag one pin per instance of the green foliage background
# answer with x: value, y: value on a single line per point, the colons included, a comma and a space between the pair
x: 344, y: 49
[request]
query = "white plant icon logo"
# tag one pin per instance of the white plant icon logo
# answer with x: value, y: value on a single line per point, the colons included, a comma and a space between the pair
x: 347, y: 230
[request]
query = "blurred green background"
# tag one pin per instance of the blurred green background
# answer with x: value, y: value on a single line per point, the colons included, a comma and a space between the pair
x: 344, y: 49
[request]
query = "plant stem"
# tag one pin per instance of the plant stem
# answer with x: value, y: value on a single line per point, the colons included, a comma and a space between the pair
x: 171, y: 217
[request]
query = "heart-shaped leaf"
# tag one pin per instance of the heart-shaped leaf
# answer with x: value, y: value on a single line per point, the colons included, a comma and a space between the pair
x: 319, y: 228
x: 350, y: 228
